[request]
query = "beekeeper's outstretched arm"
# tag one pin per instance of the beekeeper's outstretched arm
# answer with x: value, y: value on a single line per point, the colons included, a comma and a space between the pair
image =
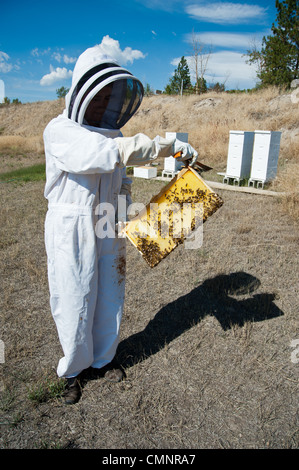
x: 140, y: 149
x: 79, y: 150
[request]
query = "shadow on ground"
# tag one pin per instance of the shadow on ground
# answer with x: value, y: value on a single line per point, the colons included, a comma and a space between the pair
x: 213, y: 297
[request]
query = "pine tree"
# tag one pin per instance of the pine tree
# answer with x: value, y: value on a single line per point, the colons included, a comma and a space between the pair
x: 181, y: 79
x: 201, y: 86
x: 61, y: 92
x: 278, y: 60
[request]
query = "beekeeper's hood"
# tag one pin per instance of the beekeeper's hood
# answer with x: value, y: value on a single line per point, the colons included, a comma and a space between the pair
x: 93, y: 71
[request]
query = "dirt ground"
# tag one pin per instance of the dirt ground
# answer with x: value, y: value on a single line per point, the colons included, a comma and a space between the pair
x: 207, y: 338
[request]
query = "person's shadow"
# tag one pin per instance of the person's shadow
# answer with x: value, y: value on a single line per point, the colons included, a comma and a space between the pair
x: 212, y: 297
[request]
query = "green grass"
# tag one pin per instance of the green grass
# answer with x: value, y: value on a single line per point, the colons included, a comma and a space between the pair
x: 45, y: 390
x: 30, y: 173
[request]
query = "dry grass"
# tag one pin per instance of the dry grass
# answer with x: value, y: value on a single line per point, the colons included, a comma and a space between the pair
x: 288, y: 182
x: 208, y: 119
x: 205, y: 338
x: 28, y: 119
x: 17, y: 143
x: 206, y: 335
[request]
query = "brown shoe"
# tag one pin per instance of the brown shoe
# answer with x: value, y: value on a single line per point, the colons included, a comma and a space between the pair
x: 72, y: 392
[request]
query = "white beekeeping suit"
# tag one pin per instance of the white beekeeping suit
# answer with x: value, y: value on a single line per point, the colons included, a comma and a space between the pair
x: 85, y: 167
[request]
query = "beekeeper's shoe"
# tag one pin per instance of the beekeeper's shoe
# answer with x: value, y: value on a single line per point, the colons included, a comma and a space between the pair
x: 72, y: 392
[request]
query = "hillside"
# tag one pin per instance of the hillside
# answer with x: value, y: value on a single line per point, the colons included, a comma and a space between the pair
x: 207, y: 119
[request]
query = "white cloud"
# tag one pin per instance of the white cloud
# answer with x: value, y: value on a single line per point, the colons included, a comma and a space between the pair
x: 35, y: 52
x: 5, y: 67
x: 57, y: 56
x: 226, y: 67
x: 55, y: 75
x: 231, y: 40
x: 226, y: 12
x: 38, y: 52
x: 65, y: 58
x: 233, y: 65
x: 69, y: 60
x: 111, y: 47
x: 169, y: 5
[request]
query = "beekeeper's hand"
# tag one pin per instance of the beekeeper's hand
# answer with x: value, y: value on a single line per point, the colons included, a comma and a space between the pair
x: 140, y: 149
x: 188, y: 152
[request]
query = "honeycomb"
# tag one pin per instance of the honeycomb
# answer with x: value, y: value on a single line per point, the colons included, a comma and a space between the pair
x: 172, y: 215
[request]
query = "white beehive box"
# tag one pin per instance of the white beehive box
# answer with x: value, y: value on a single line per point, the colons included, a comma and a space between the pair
x: 170, y: 163
x: 265, y: 155
x: 239, y: 155
x: 146, y: 172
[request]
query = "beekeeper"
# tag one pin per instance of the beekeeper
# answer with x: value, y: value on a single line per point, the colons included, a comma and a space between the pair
x: 86, y: 156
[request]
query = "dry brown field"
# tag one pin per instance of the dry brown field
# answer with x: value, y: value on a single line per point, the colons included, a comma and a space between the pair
x: 209, y: 336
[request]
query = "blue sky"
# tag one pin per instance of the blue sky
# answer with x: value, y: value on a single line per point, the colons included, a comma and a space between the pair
x: 40, y: 41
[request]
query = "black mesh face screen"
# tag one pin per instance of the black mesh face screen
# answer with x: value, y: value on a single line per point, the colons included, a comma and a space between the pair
x: 84, y: 79
x: 125, y: 99
x: 131, y: 103
x: 92, y: 86
x: 125, y: 96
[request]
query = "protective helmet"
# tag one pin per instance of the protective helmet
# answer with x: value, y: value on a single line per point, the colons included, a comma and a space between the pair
x: 93, y: 72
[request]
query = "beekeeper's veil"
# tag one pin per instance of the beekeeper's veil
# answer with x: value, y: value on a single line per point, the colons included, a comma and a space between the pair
x: 93, y: 71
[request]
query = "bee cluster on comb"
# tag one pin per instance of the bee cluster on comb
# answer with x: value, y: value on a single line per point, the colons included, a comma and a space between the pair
x: 154, y: 230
